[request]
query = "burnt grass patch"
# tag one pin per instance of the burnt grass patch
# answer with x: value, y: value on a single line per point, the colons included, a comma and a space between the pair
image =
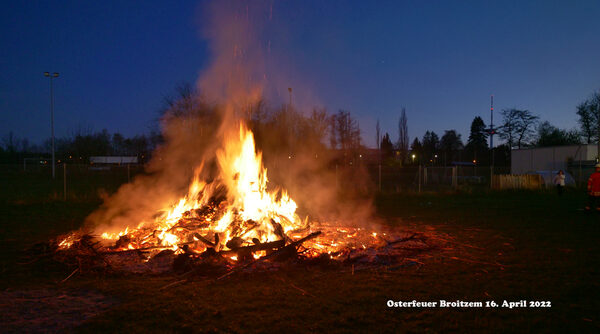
x: 496, y: 246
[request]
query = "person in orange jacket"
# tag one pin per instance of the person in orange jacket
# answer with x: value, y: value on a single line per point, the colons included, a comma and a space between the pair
x: 593, y: 188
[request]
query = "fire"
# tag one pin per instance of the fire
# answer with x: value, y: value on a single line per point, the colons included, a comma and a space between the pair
x: 244, y: 174
x: 236, y: 209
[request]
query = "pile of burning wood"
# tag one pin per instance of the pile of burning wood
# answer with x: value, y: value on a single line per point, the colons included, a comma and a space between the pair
x: 206, y: 253
x: 228, y: 224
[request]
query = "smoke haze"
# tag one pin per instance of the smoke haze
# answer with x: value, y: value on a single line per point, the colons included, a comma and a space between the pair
x: 237, y: 82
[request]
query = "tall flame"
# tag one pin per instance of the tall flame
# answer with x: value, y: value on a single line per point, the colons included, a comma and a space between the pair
x: 250, y: 211
x: 247, y: 180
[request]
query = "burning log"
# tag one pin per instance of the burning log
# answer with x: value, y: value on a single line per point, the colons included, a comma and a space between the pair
x: 278, y: 230
x: 204, y: 240
x: 306, y: 238
x: 250, y: 225
x: 255, y: 248
x: 234, y: 243
x: 291, y: 250
x: 287, y: 248
x: 217, y: 244
x: 412, y: 237
x: 189, y: 223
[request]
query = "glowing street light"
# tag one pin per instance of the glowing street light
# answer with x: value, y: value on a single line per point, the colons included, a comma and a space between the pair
x: 52, y: 76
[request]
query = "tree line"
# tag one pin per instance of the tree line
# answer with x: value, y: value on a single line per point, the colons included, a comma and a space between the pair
x: 79, y: 147
x: 284, y: 130
x: 519, y: 128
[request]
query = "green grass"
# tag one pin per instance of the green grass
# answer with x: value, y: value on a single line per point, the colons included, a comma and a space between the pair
x: 504, y: 245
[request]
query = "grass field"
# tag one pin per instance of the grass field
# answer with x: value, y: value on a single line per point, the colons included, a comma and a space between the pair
x: 509, y: 246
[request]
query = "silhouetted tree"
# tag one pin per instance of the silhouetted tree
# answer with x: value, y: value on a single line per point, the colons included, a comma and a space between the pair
x: 416, y: 149
x: 589, y: 118
x: 346, y: 131
x: 450, y: 144
x: 477, y: 144
x: 117, y: 142
x: 430, y: 144
x: 318, y: 124
x: 387, y: 148
x: 518, y: 126
x: 185, y: 102
x: 403, y: 136
x: 10, y: 143
x: 549, y: 135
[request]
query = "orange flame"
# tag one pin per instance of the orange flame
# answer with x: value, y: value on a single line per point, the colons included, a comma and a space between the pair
x: 248, y: 214
x: 246, y: 179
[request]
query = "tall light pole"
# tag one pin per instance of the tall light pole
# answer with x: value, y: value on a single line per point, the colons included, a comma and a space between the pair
x: 492, y: 132
x: 52, y: 76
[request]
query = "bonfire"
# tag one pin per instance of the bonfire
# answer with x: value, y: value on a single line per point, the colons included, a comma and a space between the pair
x: 232, y: 222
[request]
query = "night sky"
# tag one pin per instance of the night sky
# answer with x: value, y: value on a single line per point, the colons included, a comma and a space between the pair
x: 441, y: 60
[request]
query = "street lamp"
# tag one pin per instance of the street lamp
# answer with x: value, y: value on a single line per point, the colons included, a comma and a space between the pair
x: 52, y: 76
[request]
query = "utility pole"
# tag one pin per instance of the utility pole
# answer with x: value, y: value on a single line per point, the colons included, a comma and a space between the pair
x: 52, y: 76
x: 491, y: 132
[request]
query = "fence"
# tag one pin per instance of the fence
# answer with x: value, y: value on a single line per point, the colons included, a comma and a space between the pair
x: 527, y: 181
x: 73, y: 181
x: 430, y: 178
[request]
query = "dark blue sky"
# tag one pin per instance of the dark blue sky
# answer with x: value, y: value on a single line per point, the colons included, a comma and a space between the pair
x: 439, y: 59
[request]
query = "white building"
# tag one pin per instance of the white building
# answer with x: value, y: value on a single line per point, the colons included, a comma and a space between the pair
x: 553, y: 158
x: 115, y: 160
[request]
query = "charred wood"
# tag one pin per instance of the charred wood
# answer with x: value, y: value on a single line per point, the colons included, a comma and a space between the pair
x: 204, y: 240
x: 234, y: 243
x: 257, y: 247
x: 272, y: 255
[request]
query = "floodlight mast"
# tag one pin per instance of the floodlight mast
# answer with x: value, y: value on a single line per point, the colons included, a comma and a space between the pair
x: 491, y: 132
x: 52, y: 76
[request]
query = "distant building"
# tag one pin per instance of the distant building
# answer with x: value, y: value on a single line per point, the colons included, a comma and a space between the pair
x: 114, y: 160
x: 552, y: 158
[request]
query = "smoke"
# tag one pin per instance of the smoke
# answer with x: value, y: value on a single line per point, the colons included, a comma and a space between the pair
x: 237, y: 81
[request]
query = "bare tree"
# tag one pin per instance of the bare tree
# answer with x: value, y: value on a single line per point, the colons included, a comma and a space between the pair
x: 403, y: 136
x: 347, y: 130
x: 318, y: 124
x: 526, y: 127
x: 589, y: 118
x: 9, y: 142
x: 183, y: 103
x: 518, y: 126
x: 508, y: 127
x: 332, y: 132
